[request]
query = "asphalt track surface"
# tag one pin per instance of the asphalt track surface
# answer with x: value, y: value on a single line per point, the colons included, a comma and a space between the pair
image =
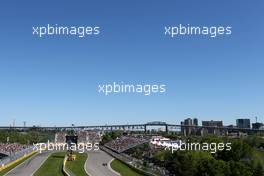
x: 28, y: 167
x: 94, y: 164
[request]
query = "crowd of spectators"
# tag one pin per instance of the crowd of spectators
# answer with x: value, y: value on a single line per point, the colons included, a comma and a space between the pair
x: 89, y: 136
x: 124, y: 143
x: 93, y: 136
x: 11, y: 148
x: 83, y: 136
x: 60, y: 137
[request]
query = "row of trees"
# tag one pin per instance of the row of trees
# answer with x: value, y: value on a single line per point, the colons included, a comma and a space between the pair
x: 244, y: 159
x: 28, y: 137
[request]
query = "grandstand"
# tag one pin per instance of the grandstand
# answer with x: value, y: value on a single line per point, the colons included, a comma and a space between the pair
x: 11, y: 152
x: 124, y: 143
x: 60, y: 137
x: 83, y: 136
x: 89, y: 136
x: 9, y: 149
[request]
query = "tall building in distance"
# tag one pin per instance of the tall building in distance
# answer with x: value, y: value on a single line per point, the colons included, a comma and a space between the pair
x: 188, y: 126
x: 243, y: 123
x: 195, y: 121
x: 188, y: 122
x: 212, y: 123
x: 257, y: 126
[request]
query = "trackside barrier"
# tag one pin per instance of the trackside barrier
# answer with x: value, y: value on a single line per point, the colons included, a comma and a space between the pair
x: 65, y: 171
x: 116, y: 156
x: 64, y: 166
x: 5, y: 166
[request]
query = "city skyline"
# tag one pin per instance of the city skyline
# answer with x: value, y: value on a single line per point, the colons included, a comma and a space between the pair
x: 194, y: 121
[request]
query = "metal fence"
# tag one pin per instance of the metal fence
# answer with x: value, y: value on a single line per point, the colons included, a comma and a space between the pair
x: 14, y: 156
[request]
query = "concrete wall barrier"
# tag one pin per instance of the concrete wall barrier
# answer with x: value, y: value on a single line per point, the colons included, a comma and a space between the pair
x: 7, y: 165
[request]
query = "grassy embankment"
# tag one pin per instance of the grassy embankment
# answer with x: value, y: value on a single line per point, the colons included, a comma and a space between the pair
x: 52, y: 166
x: 123, y: 169
x: 77, y: 166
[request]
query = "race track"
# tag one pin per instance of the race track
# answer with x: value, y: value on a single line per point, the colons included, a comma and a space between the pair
x: 94, y: 164
x: 28, y: 167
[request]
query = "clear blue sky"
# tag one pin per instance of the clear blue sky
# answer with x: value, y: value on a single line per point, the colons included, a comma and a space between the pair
x: 53, y: 81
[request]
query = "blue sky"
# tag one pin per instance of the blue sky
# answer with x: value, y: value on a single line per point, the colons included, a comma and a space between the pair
x: 53, y: 81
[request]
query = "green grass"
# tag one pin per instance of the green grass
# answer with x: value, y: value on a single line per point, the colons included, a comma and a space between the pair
x: 13, y: 166
x: 259, y: 156
x: 123, y: 169
x: 77, y: 166
x: 52, y: 166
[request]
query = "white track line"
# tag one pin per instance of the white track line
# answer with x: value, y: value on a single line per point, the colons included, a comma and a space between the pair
x: 40, y: 165
x: 85, y: 165
x: 20, y: 164
x: 110, y: 168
